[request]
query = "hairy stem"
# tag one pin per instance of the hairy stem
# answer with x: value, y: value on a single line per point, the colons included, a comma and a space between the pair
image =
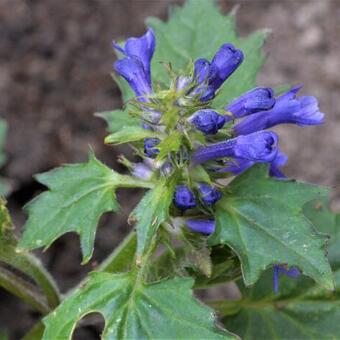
x: 24, y: 290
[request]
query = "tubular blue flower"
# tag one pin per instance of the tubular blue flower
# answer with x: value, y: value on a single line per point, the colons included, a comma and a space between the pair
x: 149, y: 147
x: 207, y: 121
x: 288, y: 109
x: 255, y: 100
x: 292, y: 272
x: 184, y: 198
x: 209, y: 194
x: 212, y: 75
x: 237, y: 166
x: 279, y: 160
x: 258, y: 147
x: 206, y: 227
x: 135, y: 66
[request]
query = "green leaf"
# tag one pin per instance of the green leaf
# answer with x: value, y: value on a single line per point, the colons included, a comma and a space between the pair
x: 319, y: 213
x: 261, y: 219
x: 79, y: 194
x: 197, y: 30
x: 118, y: 119
x: 302, y: 310
x: 169, y: 144
x: 130, y: 134
x: 133, y: 310
x: 150, y: 212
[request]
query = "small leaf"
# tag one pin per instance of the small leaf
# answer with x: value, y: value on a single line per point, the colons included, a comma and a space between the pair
x: 133, y: 310
x: 118, y: 119
x: 130, y: 134
x: 79, y: 194
x: 169, y: 144
x: 261, y: 219
x: 151, y: 211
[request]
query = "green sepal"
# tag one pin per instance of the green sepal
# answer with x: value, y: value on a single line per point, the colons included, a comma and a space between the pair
x: 131, y: 134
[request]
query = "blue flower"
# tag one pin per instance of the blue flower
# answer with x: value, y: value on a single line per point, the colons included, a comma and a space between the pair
x: 210, y: 76
x: 135, y: 66
x: 206, y: 227
x: 288, y: 109
x: 292, y: 272
x: 207, y: 121
x: 255, y: 100
x: 238, y: 165
x: 149, y: 147
x: 209, y: 194
x: 258, y: 147
x: 279, y: 160
x: 184, y: 198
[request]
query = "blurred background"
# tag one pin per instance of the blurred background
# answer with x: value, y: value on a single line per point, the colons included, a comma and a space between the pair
x: 55, y: 64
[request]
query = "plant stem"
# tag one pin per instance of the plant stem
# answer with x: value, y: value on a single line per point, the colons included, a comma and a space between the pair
x: 31, y: 266
x: 24, y: 290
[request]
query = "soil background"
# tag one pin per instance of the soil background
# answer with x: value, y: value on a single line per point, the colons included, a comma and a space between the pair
x: 55, y: 64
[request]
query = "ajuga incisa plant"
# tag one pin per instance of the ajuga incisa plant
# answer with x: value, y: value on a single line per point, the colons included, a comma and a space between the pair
x: 217, y: 207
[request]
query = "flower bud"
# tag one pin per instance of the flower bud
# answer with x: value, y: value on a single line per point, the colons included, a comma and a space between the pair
x: 206, y: 227
x: 207, y: 121
x: 149, y: 147
x: 184, y: 198
x: 209, y: 194
x: 255, y: 100
x: 224, y: 63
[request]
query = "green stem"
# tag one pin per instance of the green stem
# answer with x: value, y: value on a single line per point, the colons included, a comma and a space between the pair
x: 24, y: 290
x: 36, y: 332
x: 122, y: 257
x: 32, y: 267
x: 226, y: 307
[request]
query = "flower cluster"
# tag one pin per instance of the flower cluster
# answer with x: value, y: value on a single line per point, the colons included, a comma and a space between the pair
x: 220, y: 142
